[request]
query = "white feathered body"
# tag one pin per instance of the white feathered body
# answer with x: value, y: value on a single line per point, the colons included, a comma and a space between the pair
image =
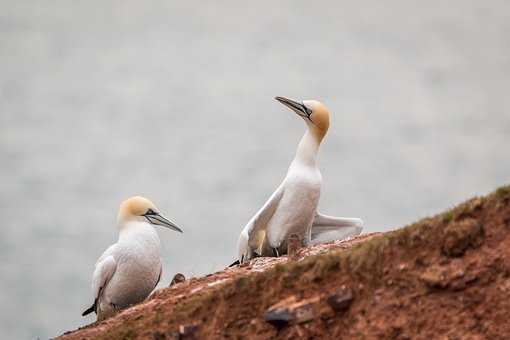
x: 292, y: 209
x: 137, y: 268
x: 297, y: 207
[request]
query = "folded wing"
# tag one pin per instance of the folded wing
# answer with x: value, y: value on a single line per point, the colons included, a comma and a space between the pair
x: 105, y: 268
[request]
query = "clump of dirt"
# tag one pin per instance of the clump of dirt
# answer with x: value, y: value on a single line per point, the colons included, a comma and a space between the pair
x: 444, y: 277
x: 461, y: 235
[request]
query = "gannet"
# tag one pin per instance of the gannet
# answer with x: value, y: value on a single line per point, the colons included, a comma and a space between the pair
x: 130, y: 269
x: 292, y: 208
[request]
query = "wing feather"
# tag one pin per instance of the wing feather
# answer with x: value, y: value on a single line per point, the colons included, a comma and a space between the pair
x: 328, y: 228
x: 253, y: 234
x: 105, y: 268
x: 103, y: 272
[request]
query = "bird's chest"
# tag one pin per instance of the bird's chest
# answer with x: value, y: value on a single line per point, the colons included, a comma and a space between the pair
x: 297, y: 207
x: 302, y: 191
x: 137, y: 272
x: 140, y: 259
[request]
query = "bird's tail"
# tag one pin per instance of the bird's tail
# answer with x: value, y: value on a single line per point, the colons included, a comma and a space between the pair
x: 235, y: 263
x: 90, y: 309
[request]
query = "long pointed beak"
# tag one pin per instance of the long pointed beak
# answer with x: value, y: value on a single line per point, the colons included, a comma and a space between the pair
x: 162, y: 221
x: 298, y: 108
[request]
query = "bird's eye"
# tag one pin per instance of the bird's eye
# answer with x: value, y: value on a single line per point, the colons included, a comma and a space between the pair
x: 150, y: 212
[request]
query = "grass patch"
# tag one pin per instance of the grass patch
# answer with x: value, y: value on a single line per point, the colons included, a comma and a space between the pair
x: 503, y: 192
x: 447, y: 216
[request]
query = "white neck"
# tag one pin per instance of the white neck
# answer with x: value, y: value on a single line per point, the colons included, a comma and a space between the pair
x: 136, y: 229
x: 307, y: 150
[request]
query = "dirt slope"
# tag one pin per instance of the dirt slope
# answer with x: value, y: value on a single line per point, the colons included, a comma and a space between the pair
x: 445, y: 277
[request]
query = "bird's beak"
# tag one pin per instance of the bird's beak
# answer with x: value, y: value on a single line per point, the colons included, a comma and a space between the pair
x: 160, y: 220
x: 299, y: 108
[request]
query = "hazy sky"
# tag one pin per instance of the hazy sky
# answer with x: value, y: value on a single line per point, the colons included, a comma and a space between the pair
x: 100, y: 101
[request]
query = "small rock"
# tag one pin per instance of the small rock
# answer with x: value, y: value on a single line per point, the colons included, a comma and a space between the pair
x: 304, y: 313
x: 434, y: 278
x: 188, y: 331
x: 178, y: 278
x: 278, y: 318
x: 289, y: 311
x: 341, y: 300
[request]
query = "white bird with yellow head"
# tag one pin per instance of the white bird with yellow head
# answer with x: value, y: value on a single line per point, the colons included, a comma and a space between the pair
x: 129, y: 270
x: 292, y: 208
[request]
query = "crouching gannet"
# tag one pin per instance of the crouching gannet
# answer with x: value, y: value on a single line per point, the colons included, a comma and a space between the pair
x: 130, y: 269
x: 292, y: 208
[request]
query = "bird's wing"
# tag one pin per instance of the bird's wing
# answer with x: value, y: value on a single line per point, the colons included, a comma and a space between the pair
x: 105, y: 268
x: 255, y: 229
x: 157, y: 281
x: 328, y: 228
x: 159, y: 276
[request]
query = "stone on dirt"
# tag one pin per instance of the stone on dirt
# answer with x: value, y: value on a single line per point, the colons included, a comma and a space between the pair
x: 188, y: 331
x: 341, y: 300
x: 178, y: 278
x: 291, y: 311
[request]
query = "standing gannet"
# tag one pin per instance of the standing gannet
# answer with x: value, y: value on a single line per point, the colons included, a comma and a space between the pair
x: 130, y: 269
x: 292, y: 208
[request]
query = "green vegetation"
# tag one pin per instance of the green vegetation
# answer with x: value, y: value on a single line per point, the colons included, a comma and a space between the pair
x: 503, y: 192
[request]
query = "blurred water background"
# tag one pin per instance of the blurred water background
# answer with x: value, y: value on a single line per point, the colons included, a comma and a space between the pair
x: 101, y: 100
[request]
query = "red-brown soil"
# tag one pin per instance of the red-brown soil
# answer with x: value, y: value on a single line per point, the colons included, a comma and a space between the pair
x: 445, y: 277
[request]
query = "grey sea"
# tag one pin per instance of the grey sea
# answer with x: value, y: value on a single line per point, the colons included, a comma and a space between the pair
x: 101, y: 100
